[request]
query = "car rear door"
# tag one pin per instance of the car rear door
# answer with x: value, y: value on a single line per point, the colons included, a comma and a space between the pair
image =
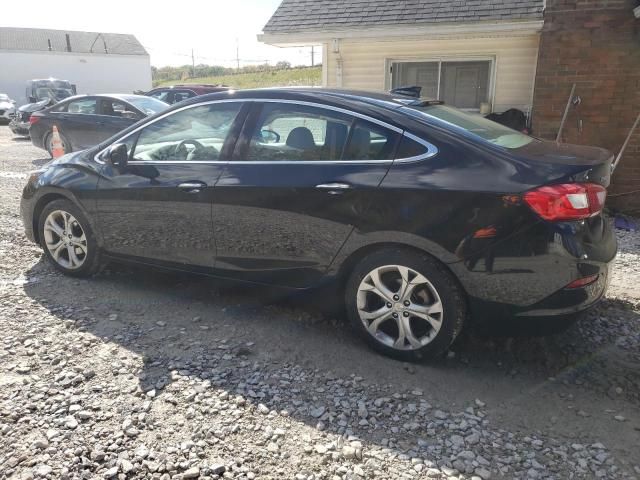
x: 158, y: 207
x: 79, y: 123
x: 300, y: 180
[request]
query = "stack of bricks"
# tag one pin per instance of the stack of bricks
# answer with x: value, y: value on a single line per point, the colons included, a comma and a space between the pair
x: 596, y: 45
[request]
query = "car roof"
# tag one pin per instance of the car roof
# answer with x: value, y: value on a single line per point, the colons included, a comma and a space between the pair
x: 383, y: 100
x: 120, y: 96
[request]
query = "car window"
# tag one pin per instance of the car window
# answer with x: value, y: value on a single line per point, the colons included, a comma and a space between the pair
x: 61, y: 107
x: 194, y: 134
x: 88, y: 106
x: 409, y: 148
x: 181, y: 95
x: 369, y: 141
x: 288, y: 132
x: 116, y: 108
x: 162, y: 95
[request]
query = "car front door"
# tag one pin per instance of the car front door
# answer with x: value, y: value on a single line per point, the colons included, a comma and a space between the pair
x: 301, y: 178
x: 180, y: 95
x: 115, y: 116
x: 158, y: 207
x: 165, y: 95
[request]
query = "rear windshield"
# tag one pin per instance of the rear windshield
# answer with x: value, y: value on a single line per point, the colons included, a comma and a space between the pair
x: 473, y: 123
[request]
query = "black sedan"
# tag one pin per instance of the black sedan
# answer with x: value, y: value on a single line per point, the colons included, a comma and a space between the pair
x: 424, y: 215
x: 86, y: 120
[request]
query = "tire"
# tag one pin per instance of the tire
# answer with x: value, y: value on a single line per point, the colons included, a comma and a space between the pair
x: 76, y: 255
x: 65, y: 143
x: 431, y: 288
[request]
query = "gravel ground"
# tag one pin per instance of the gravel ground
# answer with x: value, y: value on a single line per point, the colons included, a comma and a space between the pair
x: 143, y: 374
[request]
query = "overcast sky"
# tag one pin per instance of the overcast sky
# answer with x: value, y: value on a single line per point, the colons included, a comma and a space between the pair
x: 167, y: 29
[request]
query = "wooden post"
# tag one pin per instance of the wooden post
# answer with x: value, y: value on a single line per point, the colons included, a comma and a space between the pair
x: 566, y: 112
x: 626, y: 142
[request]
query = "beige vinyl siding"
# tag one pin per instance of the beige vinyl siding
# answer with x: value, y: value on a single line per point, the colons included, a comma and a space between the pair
x: 365, y: 62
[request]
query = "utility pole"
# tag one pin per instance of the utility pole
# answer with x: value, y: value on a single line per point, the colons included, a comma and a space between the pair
x: 193, y: 64
x: 313, y: 63
x: 237, y: 55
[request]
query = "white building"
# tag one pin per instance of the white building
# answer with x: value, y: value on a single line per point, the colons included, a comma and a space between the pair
x: 94, y: 62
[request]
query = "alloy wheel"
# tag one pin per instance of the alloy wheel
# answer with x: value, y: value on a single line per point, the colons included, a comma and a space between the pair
x: 65, y: 239
x: 399, y: 307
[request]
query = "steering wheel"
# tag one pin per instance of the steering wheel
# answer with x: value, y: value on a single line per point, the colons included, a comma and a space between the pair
x: 182, y: 151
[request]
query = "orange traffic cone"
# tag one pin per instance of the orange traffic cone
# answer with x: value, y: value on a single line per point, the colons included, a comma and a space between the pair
x: 57, y: 150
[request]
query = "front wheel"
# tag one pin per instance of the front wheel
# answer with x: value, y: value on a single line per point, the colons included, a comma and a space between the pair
x: 67, y: 239
x: 405, y: 304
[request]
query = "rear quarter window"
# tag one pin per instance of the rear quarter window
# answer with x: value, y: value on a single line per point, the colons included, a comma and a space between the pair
x: 409, y: 148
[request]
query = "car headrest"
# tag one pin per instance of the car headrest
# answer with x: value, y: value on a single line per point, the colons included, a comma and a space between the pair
x: 301, y: 138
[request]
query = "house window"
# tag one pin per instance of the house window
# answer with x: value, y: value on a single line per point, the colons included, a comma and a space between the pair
x: 463, y: 84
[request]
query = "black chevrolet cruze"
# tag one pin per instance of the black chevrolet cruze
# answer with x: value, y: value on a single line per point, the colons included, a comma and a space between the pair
x: 422, y: 213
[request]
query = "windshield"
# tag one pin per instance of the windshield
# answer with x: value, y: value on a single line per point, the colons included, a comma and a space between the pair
x: 147, y: 105
x: 473, y: 123
x: 56, y: 94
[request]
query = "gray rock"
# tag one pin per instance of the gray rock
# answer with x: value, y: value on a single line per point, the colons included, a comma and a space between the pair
x: 112, y: 472
x: 42, y: 470
x: 483, y: 473
x: 316, y: 412
x: 348, y: 452
x: 41, y: 444
x: 193, y: 472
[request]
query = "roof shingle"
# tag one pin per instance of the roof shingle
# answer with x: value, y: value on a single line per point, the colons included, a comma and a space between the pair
x: 37, y: 39
x: 312, y: 15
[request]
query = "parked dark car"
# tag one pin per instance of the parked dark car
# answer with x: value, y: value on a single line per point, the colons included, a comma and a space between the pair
x: 421, y: 213
x: 86, y: 120
x: 178, y: 93
x: 40, y: 94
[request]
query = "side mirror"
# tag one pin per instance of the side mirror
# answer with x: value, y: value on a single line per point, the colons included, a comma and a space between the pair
x: 118, y: 155
x: 269, y: 136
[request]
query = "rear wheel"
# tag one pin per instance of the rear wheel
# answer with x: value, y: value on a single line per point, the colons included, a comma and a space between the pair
x: 67, y: 239
x: 405, y: 304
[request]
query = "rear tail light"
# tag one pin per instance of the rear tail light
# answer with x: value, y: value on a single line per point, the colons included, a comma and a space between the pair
x: 33, y: 120
x: 567, y: 201
x: 583, y: 282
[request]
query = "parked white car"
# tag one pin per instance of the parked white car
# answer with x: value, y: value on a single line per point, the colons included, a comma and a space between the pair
x: 7, y: 107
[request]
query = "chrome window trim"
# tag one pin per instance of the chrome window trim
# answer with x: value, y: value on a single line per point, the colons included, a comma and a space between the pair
x: 432, y: 150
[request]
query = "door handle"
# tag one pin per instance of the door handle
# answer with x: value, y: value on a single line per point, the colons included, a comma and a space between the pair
x: 334, y: 188
x: 192, y: 187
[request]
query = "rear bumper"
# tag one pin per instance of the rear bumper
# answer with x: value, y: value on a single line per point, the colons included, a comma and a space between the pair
x: 526, y: 275
x: 560, y: 303
x: 19, y: 128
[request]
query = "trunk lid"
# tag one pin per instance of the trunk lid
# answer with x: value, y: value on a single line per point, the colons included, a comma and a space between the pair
x: 578, y: 163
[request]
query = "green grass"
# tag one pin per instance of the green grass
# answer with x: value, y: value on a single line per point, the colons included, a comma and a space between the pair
x: 311, y: 76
